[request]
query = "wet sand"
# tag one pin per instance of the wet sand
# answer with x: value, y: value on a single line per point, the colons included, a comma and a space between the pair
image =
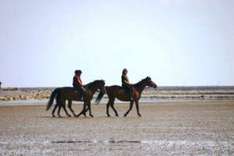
x: 165, y: 128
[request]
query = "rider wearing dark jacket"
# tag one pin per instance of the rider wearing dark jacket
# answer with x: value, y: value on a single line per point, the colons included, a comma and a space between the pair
x: 125, y: 83
x: 77, y: 82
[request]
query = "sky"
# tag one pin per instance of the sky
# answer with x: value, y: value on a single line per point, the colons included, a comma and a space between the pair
x: 175, y: 42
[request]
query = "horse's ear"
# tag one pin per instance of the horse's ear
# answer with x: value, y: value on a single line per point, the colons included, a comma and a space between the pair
x: 148, y: 78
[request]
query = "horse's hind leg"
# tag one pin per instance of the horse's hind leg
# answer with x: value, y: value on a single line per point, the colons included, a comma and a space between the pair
x: 130, y: 107
x: 58, y: 104
x: 64, y: 108
x: 70, y: 107
x: 107, y: 108
x: 112, y: 106
x: 137, y: 108
x: 55, y: 107
x: 59, y: 109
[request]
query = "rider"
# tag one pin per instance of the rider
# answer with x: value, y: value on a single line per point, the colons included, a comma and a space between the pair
x: 125, y: 83
x: 77, y: 83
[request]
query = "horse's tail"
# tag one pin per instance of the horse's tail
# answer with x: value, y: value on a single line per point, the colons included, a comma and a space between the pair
x: 52, y: 97
x: 99, y: 97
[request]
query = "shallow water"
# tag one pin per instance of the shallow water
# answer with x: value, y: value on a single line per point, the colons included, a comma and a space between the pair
x: 143, y: 100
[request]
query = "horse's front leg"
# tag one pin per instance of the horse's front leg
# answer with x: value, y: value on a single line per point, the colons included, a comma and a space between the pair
x: 83, y: 111
x: 107, y: 108
x: 89, y: 107
x: 137, y: 108
x: 86, y: 110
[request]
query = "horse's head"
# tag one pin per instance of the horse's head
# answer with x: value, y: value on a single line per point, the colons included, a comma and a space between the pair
x: 148, y: 82
x: 99, y: 85
x: 96, y: 85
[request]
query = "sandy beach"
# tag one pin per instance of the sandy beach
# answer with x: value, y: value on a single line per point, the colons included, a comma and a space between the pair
x: 198, y: 127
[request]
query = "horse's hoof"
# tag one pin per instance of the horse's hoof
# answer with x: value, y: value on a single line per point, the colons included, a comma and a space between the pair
x: 139, y: 115
x: 108, y: 115
x: 125, y: 115
x: 53, y: 116
x: 91, y: 115
x: 78, y: 115
x: 117, y: 115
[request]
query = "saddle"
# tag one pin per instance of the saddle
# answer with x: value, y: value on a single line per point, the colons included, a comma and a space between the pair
x: 127, y: 91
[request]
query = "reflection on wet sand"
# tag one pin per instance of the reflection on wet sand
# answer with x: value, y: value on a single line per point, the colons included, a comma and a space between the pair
x: 97, y: 141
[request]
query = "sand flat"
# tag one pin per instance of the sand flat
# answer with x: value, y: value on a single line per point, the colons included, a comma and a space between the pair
x: 165, y: 128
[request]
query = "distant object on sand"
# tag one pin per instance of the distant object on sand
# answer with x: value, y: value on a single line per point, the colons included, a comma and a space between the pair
x: 0, y: 85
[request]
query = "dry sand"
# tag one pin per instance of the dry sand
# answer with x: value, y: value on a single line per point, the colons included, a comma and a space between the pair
x: 168, y: 128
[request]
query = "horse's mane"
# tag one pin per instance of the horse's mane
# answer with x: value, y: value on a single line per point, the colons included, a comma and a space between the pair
x: 140, y: 82
x: 92, y: 83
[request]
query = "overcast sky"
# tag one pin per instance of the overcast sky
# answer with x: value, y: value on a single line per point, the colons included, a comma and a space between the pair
x: 176, y: 42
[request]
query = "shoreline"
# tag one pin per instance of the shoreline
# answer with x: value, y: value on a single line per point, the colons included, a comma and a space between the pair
x: 161, y: 93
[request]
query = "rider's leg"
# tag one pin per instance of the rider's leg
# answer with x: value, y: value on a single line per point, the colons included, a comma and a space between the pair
x: 82, y: 91
x: 130, y: 92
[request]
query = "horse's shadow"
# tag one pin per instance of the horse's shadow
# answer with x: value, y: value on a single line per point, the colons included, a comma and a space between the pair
x: 64, y: 117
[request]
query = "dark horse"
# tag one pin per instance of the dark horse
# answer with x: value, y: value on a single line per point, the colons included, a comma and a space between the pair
x: 121, y: 94
x: 69, y: 93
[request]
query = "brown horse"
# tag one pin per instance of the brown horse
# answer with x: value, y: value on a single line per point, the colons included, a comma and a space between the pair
x: 69, y: 93
x: 118, y: 92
